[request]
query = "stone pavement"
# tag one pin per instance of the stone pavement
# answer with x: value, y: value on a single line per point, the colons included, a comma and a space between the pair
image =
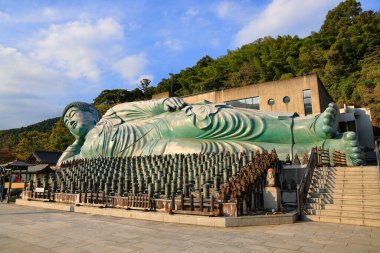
x: 27, y: 229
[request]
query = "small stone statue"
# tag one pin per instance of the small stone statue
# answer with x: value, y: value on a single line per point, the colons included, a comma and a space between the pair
x: 270, y: 178
x: 296, y: 160
x: 305, y: 158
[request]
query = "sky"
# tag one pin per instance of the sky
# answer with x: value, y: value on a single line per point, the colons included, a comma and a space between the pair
x: 56, y: 52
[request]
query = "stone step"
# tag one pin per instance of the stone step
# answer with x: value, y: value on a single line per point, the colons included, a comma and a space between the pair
x: 352, y: 177
x: 349, y: 169
x: 344, y: 190
x: 344, y: 213
x: 344, y: 201
x: 359, y: 184
x: 346, y: 196
x: 347, y: 177
x: 357, y: 208
x: 343, y: 220
x: 355, y: 168
x: 347, y: 172
x: 346, y: 182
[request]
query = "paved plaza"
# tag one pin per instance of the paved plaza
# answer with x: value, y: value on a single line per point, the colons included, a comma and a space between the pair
x: 27, y: 229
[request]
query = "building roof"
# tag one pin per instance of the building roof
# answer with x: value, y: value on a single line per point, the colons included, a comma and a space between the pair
x: 49, y: 157
x: 16, y: 163
x: 39, y: 168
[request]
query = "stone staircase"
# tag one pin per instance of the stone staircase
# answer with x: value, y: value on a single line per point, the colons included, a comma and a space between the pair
x: 349, y: 195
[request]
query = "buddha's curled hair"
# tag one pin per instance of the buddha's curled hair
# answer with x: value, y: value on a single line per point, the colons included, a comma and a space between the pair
x: 83, y: 107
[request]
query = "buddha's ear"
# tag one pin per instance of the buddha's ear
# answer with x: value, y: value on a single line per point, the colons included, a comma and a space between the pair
x: 96, y: 113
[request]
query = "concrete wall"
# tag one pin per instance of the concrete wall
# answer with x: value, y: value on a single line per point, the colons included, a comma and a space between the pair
x: 276, y: 90
x: 324, y: 96
x: 363, y: 123
x: 161, y: 95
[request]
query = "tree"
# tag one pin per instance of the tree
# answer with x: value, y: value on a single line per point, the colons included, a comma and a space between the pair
x: 144, y: 83
x: 342, y: 15
x: 60, y: 137
x: 31, y: 141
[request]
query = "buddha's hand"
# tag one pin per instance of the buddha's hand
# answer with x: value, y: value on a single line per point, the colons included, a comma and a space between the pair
x: 173, y: 104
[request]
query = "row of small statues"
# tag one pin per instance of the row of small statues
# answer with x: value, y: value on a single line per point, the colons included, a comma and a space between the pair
x: 252, y: 176
x: 159, y: 175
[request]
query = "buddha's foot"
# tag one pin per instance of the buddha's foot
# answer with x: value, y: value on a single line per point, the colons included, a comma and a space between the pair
x: 348, y: 144
x: 326, y: 125
x: 353, y: 151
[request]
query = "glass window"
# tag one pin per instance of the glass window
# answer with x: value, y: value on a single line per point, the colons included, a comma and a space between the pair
x: 256, y: 103
x: 307, y: 102
x: 286, y: 99
x: 306, y: 94
x: 251, y: 103
x: 271, y: 101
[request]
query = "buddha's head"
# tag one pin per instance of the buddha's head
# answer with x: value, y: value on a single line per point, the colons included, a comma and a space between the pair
x: 80, y: 118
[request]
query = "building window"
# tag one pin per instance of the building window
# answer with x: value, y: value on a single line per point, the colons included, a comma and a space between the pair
x: 251, y: 103
x: 271, y: 101
x: 307, y: 102
x: 286, y: 99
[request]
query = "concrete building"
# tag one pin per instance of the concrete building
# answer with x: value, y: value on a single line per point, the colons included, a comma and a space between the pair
x: 357, y: 120
x: 304, y: 95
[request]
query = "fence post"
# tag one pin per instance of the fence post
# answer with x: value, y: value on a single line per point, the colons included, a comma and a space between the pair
x: 192, y: 202
x: 182, y: 202
x: 298, y: 201
x: 85, y: 196
x: 173, y: 202
x: 201, y: 207
x: 80, y: 196
x: 91, y: 202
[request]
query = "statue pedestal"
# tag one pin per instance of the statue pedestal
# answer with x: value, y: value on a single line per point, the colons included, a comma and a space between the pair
x: 230, y: 209
x: 272, y: 198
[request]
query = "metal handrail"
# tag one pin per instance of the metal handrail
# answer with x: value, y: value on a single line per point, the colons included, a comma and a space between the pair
x: 303, y: 187
x: 377, y: 156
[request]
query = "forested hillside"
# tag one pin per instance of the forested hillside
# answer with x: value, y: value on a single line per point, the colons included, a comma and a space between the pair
x: 345, y: 53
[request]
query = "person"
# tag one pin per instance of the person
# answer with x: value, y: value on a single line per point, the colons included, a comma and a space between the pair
x: 168, y: 126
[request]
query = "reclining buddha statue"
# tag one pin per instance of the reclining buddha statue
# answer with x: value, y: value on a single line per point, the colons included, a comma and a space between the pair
x: 169, y: 126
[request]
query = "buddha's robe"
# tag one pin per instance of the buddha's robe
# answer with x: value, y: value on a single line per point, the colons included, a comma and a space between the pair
x: 145, y: 128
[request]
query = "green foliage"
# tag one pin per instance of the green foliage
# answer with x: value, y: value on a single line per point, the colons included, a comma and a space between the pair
x: 344, y: 53
x: 60, y: 137
x: 31, y: 141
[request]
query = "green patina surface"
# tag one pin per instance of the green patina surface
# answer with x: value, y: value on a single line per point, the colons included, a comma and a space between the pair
x: 169, y: 126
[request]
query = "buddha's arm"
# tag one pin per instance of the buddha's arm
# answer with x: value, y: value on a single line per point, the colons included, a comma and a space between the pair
x: 70, y: 153
x: 143, y: 109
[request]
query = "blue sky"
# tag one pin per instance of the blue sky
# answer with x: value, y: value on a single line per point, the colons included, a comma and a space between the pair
x: 56, y: 52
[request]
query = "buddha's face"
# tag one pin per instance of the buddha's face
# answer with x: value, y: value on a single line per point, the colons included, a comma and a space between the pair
x: 79, y: 122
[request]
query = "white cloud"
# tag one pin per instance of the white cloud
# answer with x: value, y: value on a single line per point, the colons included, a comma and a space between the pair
x: 215, y: 42
x: 77, y: 48
x: 50, y: 13
x: 283, y: 17
x: 28, y: 90
x: 223, y: 9
x: 131, y: 67
x: 191, y: 12
x: 18, y: 73
x: 4, y: 16
x: 170, y: 44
